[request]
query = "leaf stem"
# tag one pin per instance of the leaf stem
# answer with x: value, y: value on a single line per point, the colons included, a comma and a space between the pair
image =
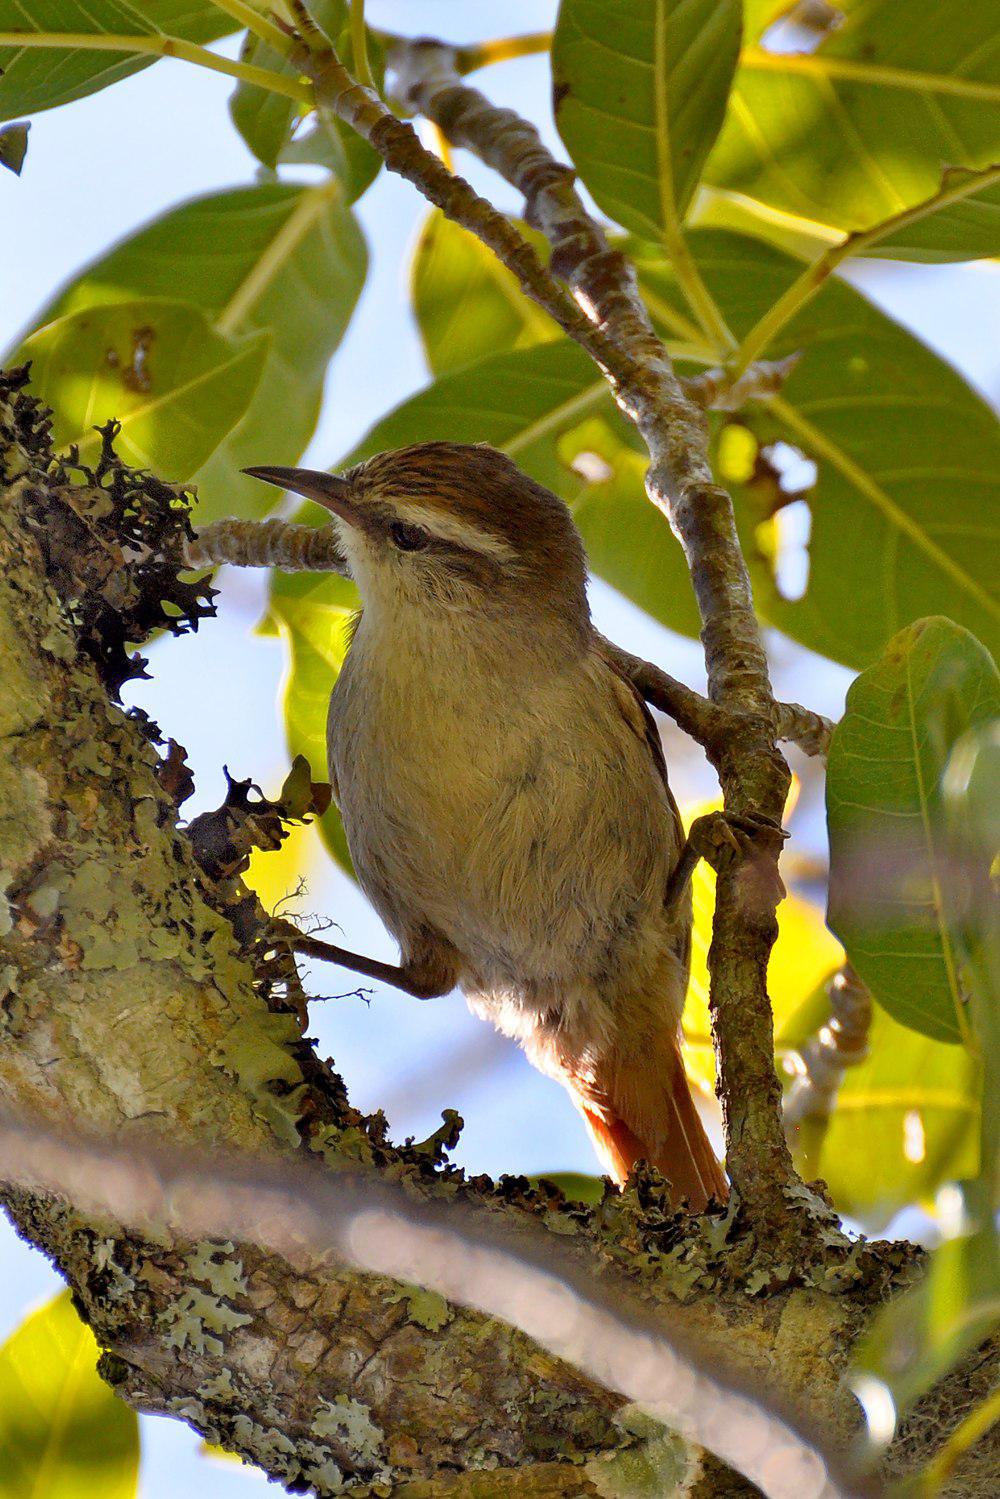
x: 359, y: 45
x: 162, y: 46
x: 821, y: 65
x: 696, y: 293
x: 957, y: 185
x: 501, y: 49
x: 255, y: 22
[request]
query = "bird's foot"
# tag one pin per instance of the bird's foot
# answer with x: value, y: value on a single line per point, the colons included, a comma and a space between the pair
x: 730, y: 841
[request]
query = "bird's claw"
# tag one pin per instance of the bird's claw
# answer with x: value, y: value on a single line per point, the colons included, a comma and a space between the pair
x: 731, y: 840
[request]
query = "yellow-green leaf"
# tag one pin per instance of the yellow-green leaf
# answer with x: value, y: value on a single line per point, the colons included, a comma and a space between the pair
x: 63, y: 1433
x: 312, y: 614
x: 466, y: 302
x: 284, y: 259
x: 175, y: 384
x: 888, y: 842
x: 640, y: 92
x: 35, y: 78
x: 859, y: 128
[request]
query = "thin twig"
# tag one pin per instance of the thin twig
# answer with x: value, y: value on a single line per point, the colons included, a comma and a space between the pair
x: 840, y: 1043
x: 268, y: 543
x: 802, y: 726
x: 378, y: 1227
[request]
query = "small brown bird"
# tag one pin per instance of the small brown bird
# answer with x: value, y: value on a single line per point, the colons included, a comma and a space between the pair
x: 504, y: 792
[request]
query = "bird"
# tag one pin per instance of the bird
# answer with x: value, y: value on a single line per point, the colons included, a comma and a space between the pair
x: 504, y: 792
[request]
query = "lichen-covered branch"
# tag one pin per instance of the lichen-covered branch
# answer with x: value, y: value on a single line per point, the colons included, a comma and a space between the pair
x: 138, y: 1003
x: 448, y: 1250
x: 276, y: 543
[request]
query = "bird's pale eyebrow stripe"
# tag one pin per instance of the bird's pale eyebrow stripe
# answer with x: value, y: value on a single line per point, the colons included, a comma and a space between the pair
x: 459, y: 532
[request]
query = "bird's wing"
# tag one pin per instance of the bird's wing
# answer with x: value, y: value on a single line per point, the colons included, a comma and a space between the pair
x: 642, y: 723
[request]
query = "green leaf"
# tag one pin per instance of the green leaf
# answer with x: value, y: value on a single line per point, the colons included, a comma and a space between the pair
x: 286, y: 259
x: 267, y: 121
x: 312, y: 614
x: 901, y: 525
x: 920, y: 1335
x: 961, y: 222
x: 574, y: 1186
x: 14, y: 146
x: 41, y: 78
x: 858, y: 129
x: 889, y: 869
x: 465, y: 301
x: 971, y: 800
x: 158, y: 367
x: 640, y: 93
x: 63, y: 1433
x: 905, y: 1121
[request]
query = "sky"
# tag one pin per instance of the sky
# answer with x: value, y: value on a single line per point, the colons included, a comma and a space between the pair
x: 95, y: 171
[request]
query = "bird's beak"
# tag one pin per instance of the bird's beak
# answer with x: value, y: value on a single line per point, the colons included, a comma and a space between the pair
x: 327, y: 490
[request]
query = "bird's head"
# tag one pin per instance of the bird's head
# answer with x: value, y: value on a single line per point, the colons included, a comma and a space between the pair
x: 452, y: 527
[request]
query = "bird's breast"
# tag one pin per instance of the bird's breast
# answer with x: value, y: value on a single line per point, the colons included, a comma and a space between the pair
x: 523, y: 819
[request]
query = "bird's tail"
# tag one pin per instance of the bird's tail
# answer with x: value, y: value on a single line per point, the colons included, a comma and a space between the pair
x: 646, y: 1111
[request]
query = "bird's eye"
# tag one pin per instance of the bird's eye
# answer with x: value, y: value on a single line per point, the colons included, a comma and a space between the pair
x: 408, y: 538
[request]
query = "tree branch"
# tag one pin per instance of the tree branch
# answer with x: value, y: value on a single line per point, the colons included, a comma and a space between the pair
x: 376, y: 1227
x: 136, y: 1003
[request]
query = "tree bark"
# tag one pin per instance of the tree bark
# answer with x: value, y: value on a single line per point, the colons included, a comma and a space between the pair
x: 134, y: 1004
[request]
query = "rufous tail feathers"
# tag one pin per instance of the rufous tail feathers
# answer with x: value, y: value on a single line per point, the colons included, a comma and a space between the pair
x: 650, y: 1115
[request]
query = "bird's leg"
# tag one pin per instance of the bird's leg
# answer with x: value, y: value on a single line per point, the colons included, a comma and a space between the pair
x: 726, y: 840
x: 426, y: 974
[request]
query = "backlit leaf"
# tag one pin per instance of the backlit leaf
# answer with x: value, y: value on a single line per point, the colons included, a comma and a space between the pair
x: 286, y: 259
x: 900, y: 511
x: 158, y: 367
x: 858, y: 128
x: 466, y: 302
x: 640, y: 92
x: 41, y: 78
x: 888, y: 844
x: 312, y: 614
x: 63, y: 1433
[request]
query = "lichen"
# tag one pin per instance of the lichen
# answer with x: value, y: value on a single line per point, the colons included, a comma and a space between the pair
x: 211, y: 1263
x: 660, y: 1462
x: 428, y: 1309
x: 194, y: 1316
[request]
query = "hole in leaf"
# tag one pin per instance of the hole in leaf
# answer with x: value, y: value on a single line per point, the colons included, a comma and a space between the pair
x: 792, y: 526
x: 593, y: 468
x: 803, y: 27
x: 914, y: 1139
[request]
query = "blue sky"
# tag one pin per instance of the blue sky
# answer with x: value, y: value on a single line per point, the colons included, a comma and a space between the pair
x: 95, y: 171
